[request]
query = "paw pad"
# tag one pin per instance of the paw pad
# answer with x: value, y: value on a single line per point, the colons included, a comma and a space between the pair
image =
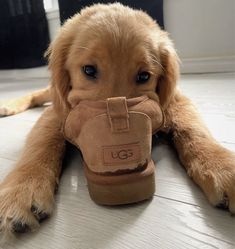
x: 19, y: 227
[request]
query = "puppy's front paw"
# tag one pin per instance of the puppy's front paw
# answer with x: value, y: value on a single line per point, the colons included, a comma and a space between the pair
x: 24, y: 203
x: 6, y: 110
x: 14, y: 106
x: 216, y: 176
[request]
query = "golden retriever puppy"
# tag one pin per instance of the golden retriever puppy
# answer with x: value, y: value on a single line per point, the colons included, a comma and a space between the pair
x: 105, y: 51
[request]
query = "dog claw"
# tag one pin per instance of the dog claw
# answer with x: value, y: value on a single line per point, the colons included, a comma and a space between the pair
x: 43, y: 216
x: 40, y: 215
x: 34, y: 209
x: 224, y: 204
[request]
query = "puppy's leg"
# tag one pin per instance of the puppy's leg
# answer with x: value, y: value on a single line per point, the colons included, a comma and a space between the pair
x: 210, y: 165
x: 14, y: 106
x: 27, y: 193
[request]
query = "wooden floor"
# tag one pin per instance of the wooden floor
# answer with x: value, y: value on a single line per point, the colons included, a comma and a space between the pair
x: 178, y: 216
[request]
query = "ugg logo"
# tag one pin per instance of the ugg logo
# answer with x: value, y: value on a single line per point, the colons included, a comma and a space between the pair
x: 122, y: 154
x: 113, y: 155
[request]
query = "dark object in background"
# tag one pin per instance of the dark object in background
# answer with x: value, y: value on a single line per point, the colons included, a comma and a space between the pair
x: 153, y: 7
x: 24, y: 34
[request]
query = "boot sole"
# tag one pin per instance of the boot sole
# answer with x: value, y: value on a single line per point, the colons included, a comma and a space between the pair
x: 121, y: 189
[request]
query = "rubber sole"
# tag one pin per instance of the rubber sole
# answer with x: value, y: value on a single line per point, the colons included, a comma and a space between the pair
x: 121, y: 189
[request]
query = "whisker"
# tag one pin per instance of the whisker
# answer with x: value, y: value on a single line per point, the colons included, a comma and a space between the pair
x: 83, y: 47
x: 154, y: 59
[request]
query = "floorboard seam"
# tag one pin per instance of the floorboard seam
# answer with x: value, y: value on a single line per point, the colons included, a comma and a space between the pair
x: 170, y: 199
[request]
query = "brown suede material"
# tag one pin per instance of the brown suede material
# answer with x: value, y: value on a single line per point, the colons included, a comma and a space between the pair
x: 153, y: 110
x: 116, y: 134
x: 118, y: 114
x: 140, y: 133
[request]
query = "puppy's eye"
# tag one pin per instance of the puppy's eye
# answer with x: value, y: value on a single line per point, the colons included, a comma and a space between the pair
x: 142, y: 77
x: 90, y: 71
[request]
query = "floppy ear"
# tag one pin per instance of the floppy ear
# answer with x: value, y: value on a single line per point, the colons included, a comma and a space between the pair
x: 166, y: 85
x: 57, y: 55
x: 60, y: 81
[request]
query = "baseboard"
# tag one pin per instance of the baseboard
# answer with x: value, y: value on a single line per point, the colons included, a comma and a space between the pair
x: 29, y: 73
x: 208, y: 65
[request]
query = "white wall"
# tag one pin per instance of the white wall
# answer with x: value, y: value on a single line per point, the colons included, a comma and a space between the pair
x: 203, y: 32
x: 53, y: 22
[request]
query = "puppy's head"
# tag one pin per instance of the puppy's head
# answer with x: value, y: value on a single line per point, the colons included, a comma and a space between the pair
x: 111, y: 50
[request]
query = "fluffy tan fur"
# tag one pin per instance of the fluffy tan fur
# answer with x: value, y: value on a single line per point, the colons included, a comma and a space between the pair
x: 121, y: 42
